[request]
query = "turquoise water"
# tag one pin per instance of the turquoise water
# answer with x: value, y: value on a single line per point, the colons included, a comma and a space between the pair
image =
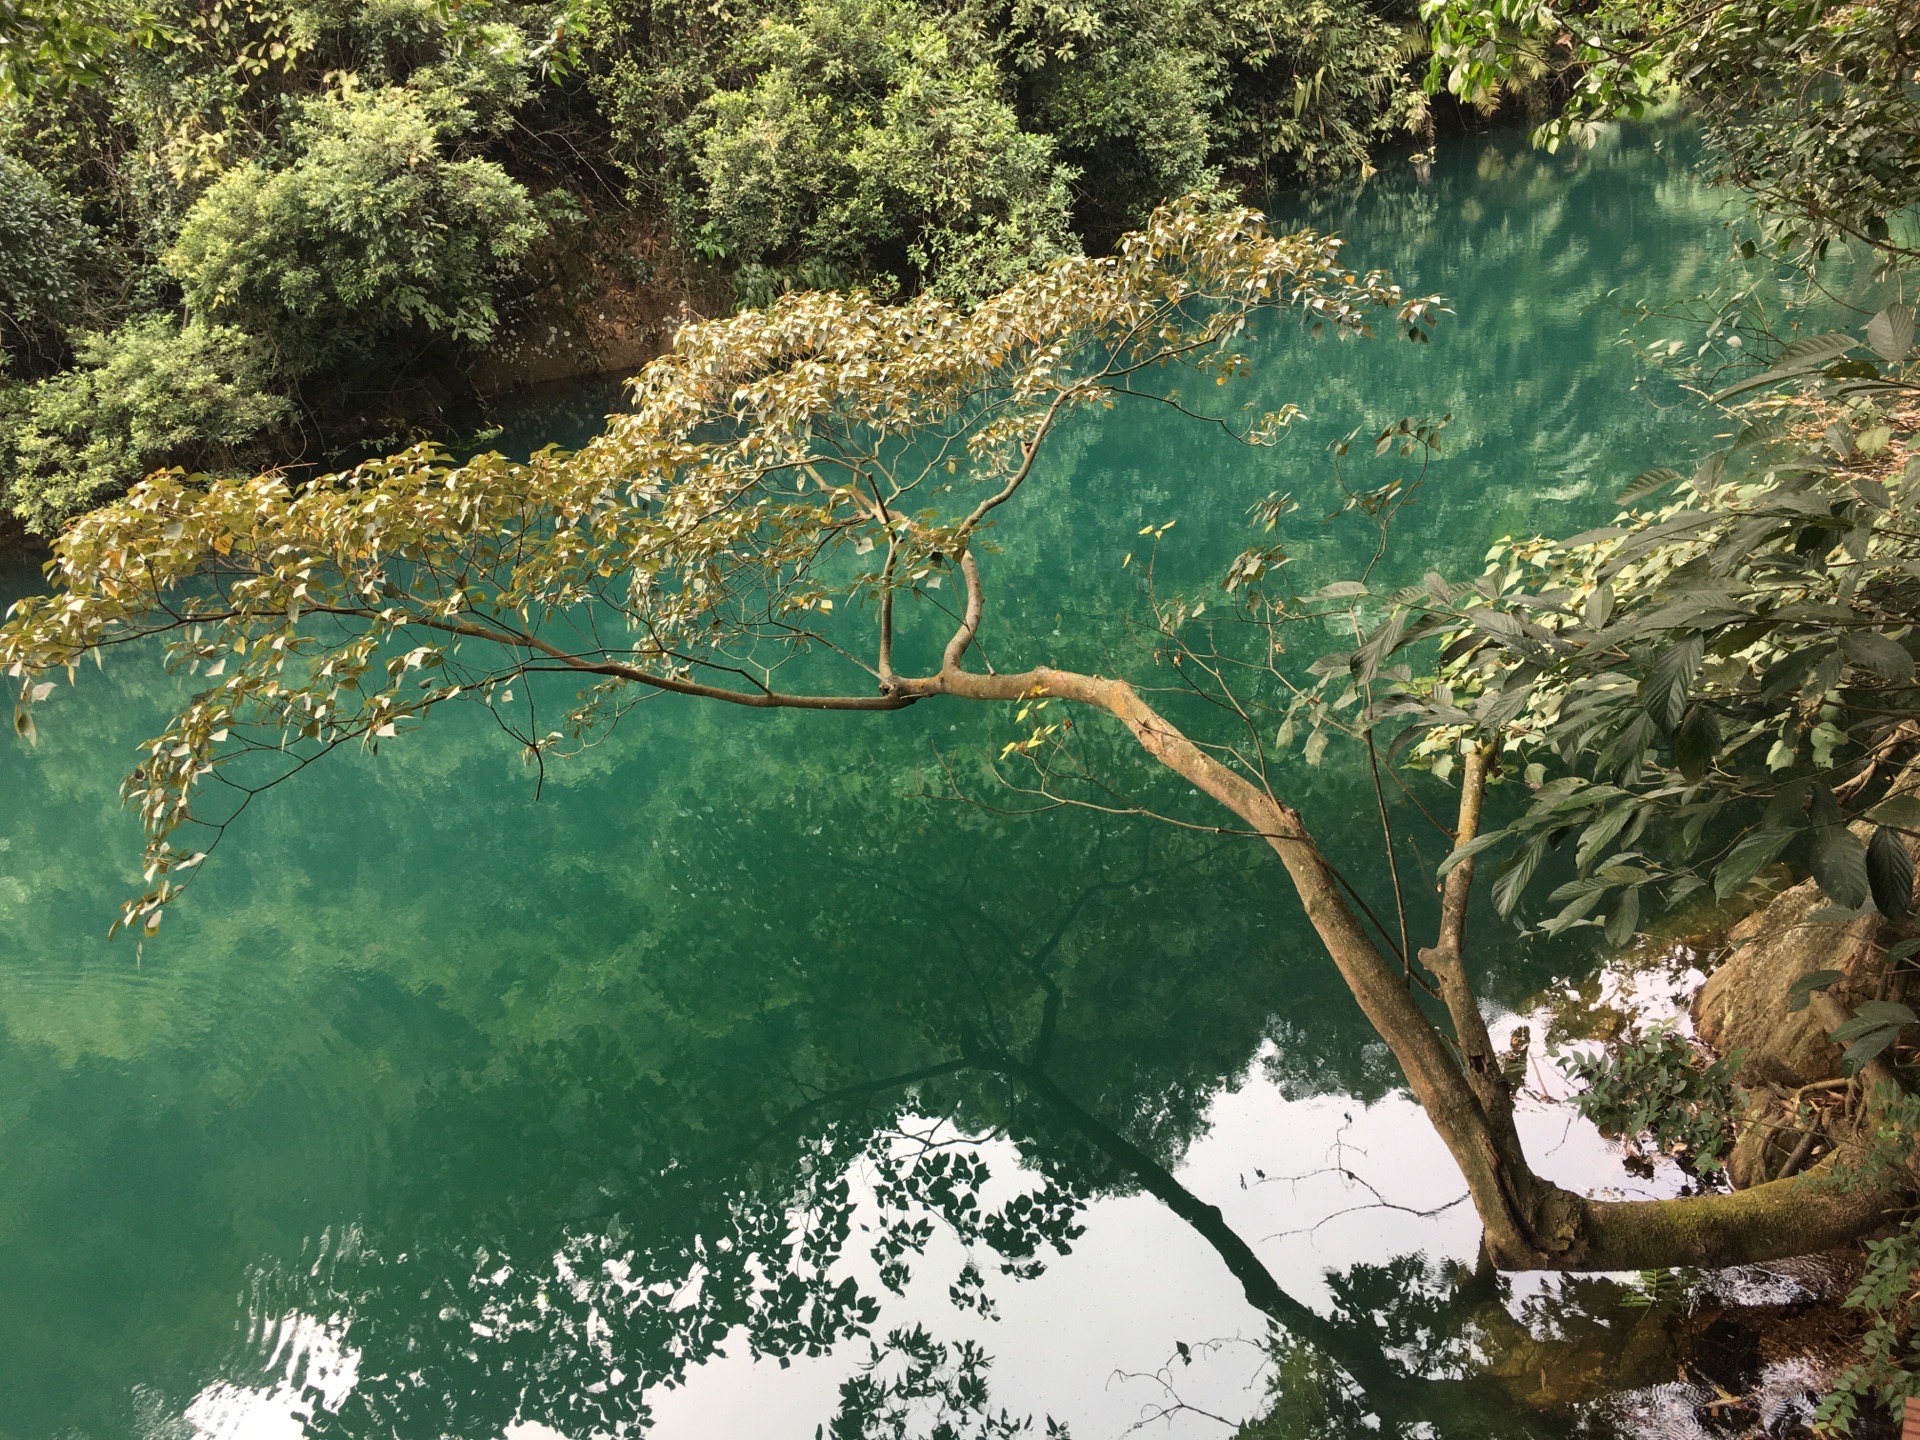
x: 732, y: 1084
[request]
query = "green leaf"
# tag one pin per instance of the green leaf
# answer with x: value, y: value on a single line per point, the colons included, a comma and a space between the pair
x: 1823, y: 808
x: 1871, y: 1016
x: 1595, y: 838
x: 1802, y: 357
x: 1663, y: 693
x: 1696, y: 742
x: 1901, y: 811
x: 1381, y: 643
x: 1873, y: 492
x: 1625, y: 918
x: 1890, y: 873
x: 1839, y: 860
x: 1316, y: 747
x: 1600, y: 605
x: 1515, y: 874
x: 1856, y: 1055
x: 1800, y: 993
x: 1871, y: 650
x: 1872, y: 1028
x: 1480, y: 842
x: 1681, y: 888
x: 1580, y: 899
x: 1648, y: 481
x: 1890, y: 333
x: 1755, y: 851
x: 1837, y: 914
x: 1813, y: 350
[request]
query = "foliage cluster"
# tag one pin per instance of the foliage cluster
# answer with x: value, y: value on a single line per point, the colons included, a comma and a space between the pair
x: 296, y: 203
x: 146, y: 395
x: 963, y: 139
x: 52, y: 47
x: 369, y: 235
x: 359, y: 187
x: 889, y: 430
x: 1702, y: 688
x: 1887, y: 1372
x: 46, y: 251
x: 1654, y: 1083
x: 871, y: 131
x: 1810, y: 105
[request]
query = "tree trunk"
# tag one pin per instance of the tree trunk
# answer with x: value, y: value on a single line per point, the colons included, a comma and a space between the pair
x: 1529, y: 1224
x: 1474, y: 1403
x: 1815, y: 1210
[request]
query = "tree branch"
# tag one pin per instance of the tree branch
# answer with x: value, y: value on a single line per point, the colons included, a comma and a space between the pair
x: 1446, y: 958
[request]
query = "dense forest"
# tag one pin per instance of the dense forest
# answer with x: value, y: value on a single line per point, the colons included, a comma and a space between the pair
x: 282, y: 228
x: 235, y: 235
x: 912, y: 240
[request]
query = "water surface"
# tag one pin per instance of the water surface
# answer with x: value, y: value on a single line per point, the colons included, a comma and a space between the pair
x: 729, y: 1085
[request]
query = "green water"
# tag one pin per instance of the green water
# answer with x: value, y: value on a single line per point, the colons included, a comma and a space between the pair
x: 656, y: 1100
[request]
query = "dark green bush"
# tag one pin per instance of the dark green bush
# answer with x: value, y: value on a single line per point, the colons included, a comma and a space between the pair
x: 45, y: 248
x: 371, y: 233
x: 873, y: 132
x: 149, y: 394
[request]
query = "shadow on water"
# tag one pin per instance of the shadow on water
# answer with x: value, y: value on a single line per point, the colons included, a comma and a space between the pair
x: 738, y: 1085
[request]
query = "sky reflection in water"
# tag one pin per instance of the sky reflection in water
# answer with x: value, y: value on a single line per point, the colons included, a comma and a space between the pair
x: 655, y: 1104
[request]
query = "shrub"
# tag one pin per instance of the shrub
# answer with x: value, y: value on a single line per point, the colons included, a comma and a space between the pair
x: 147, y: 395
x: 44, y: 249
x: 1129, y: 89
x: 427, y: 46
x: 1657, y: 1085
x: 1313, y: 88
x: 1161, y: 97
x: 867, y: 140
x: 370, y: 233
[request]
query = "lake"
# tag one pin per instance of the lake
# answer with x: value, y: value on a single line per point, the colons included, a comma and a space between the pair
x: 737, y: 1080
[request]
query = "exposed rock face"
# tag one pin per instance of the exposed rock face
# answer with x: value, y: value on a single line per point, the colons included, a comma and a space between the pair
x: 1743, y: 1005
x: 607, y: 296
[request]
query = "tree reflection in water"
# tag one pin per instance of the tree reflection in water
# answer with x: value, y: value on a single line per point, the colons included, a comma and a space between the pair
x: 933, y: 1113
x: 608, y: 1085
x: 793, y: 1264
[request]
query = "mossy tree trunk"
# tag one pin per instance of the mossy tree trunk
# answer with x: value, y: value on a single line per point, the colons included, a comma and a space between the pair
x: 1529, y: 1223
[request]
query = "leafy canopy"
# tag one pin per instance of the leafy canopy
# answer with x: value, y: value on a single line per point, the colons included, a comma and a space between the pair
x: 776, y: 465
x: 51, y: 46
x: 150, y: 393
x: 1707, y: 686
x: 45, y: 250
x: 873, y: 129
x: 1811, y: 105
x: 371, y: 231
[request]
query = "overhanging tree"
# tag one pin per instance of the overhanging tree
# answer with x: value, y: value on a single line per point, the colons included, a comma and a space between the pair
x: 1809, y: 106
x: 780, y: 471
